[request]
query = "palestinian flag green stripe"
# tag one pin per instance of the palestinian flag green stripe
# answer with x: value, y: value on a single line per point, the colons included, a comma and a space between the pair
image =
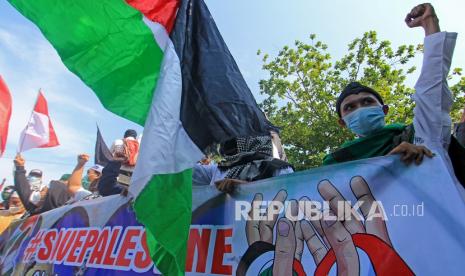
x: 107, y: 44
x: 151, y: 205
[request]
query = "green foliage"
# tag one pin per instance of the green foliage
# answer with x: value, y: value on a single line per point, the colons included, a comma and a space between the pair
x: 458, y: 92
x: 304, y: 82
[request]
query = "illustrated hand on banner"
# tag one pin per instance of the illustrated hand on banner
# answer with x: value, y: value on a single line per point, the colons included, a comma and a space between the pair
x: 329, y: 240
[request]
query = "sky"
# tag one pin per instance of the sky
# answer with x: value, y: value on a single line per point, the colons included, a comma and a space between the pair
x: 29, y: 63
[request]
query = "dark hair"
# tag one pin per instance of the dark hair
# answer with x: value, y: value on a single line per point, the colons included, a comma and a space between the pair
x: 130, y: 133
x: 355, y: 88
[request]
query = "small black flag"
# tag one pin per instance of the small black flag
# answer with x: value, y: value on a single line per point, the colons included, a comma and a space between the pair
x: 102, y: 153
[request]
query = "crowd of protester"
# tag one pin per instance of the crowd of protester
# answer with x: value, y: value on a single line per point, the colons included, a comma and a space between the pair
x: 29, y: 195
x: 247, y: 159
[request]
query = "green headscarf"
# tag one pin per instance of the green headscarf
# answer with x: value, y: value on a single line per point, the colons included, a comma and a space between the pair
x: 377, y: 144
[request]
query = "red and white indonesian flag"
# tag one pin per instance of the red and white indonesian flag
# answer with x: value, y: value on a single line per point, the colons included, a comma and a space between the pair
x: 39, y: 132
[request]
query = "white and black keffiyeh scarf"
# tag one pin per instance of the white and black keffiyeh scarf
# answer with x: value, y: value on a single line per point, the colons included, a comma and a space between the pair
x: 253, y: 160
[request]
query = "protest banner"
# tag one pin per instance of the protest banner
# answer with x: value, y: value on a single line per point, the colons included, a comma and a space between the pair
x: 388, y: 219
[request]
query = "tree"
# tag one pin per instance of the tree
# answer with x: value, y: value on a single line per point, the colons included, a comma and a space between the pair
x: 304, y: 82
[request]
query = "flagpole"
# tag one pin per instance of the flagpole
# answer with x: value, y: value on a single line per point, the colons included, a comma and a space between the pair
x: 32, y: 112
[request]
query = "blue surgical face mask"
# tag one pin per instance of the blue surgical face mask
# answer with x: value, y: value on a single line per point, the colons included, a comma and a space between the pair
x: 34, y: 182
x: 366, y: 120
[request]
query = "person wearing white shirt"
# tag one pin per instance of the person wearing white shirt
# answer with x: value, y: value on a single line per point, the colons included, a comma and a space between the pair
x: 247, y: 159
x: 362, y: 110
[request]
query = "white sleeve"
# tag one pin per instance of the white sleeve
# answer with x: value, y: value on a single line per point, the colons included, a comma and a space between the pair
x: 433, y: 99
x: 206, y: 174
x: 202, y: 175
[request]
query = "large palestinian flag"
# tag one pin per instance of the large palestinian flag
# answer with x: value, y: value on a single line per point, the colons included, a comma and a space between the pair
x: 162, y: 64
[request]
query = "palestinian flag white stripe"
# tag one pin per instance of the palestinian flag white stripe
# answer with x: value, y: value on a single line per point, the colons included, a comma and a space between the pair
x: 166, y: 148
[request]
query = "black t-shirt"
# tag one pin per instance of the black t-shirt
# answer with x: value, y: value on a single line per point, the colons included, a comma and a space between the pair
x: 57, y: 196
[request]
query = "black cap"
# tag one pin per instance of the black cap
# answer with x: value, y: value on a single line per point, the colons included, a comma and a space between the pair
x: 355, y: 88
x: 130, y: 133
x: 35, y: 172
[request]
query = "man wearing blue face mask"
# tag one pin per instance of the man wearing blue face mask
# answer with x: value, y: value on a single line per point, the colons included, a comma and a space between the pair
x: 34, y: 178
x: 362, y: 110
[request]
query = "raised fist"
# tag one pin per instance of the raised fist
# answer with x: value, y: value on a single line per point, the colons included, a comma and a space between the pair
x: 82, y: 159
x: 19, y: 160
x: 423, y: 15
